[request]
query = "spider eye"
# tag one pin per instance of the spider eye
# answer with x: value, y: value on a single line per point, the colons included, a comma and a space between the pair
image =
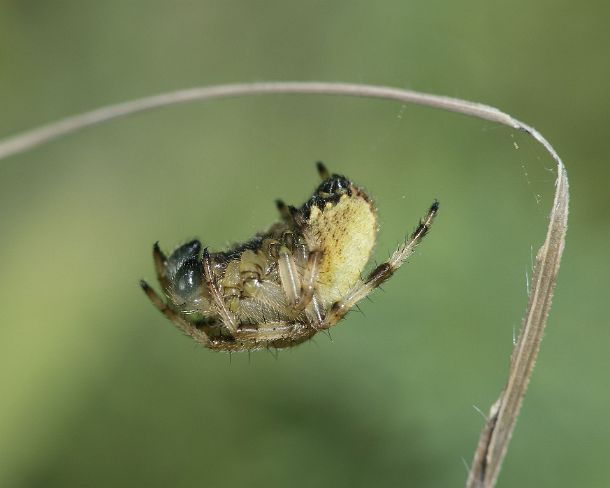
x: 188, y: 278
x: 186, y: 252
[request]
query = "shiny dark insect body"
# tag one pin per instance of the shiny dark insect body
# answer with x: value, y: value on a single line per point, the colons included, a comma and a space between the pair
x: 286, y: 284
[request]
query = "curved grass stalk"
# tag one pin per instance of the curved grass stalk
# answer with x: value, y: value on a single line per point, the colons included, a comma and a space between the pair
x: 495, y: 437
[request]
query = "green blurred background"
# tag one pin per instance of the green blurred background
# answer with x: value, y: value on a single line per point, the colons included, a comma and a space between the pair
x: 98, y: 389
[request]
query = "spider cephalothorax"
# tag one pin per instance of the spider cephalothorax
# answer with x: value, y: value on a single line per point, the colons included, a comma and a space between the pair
x: 286, y: 284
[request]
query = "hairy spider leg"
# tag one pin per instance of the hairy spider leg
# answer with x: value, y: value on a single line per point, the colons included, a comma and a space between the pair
x: 289, y: 213
x: 382, y: 272
x: 299, y: 269
x: 184, y: 325
x: 160, y: 261
x: 289, y: 276
x: 307, y: 299
x: 273, y: 331
x: 270, y: 335
x: 227, y: 317
x: 299, y: 285
x: 322, y: 171
x: 283, y: 210
x: 301, y: 296
x: 308, y: 282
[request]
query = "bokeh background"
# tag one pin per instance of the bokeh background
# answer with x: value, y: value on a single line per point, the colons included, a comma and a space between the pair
x: 98, y: 389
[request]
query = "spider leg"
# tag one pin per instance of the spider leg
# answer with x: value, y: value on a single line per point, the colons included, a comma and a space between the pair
x: 381, y: 273
x: 227, y: 317
x: 310, y: 275
x: 322, y: 171
x: 184, y: 325
x: 273, y: 331
x: 299, y: 286
x: 160, y: 261
x: 308, y: 301
x: 290, y: 214
x: 264, y: 336
x: 289, y: 276
x: 284, y: 211
x: 314, y: 312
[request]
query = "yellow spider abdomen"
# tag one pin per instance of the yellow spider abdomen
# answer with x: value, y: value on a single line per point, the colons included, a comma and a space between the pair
x: 345, y: 233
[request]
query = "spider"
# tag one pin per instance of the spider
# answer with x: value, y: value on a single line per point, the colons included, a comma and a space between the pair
x: 284, y: 285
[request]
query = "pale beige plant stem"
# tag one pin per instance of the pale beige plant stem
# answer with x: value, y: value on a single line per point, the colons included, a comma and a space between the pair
x: 493, y: 442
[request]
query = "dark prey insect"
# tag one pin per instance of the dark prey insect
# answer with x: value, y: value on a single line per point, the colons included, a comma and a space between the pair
x: 286, y: 284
